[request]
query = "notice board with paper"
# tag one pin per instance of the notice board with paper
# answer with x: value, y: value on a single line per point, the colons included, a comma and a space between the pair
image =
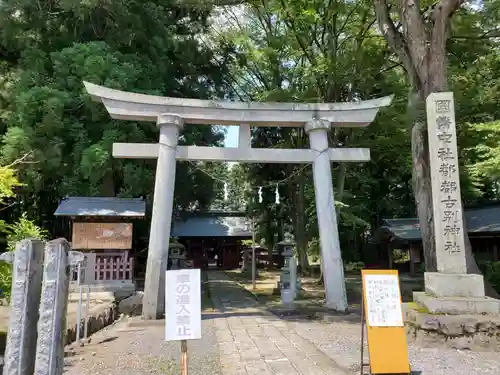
x: 386, y: 336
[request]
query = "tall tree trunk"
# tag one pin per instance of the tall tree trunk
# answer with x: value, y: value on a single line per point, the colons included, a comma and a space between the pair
x: 421, y: 176
x: 421, y: 48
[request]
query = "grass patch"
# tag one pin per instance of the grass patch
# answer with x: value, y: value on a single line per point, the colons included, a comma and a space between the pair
x: 3, y: 341
x: 206, y: 298
x: 415, y: 306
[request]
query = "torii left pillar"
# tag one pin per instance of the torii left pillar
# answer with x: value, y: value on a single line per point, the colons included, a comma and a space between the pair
x: 153, y: 304
x: 333, y: 268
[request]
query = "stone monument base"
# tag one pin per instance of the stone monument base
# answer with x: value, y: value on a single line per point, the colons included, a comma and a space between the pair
x: 455, y: 294
x: 457, y: 305
x: 453, y: 285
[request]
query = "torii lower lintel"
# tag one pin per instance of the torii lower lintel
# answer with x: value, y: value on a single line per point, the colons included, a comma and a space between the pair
x: 240, y: 154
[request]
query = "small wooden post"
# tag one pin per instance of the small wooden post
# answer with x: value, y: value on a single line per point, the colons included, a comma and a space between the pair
x: 184, y: 357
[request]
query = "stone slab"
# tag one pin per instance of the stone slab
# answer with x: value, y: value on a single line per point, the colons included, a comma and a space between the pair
x: 94, y: 296
x: 470, y: 332
x: 454, y: 285
x: 25, y: 296
x: 98, y: 317
x: 53, y: 309
x: 457, y: 305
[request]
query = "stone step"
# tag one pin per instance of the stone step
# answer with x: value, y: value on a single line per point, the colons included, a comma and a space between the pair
x: 102, y: 296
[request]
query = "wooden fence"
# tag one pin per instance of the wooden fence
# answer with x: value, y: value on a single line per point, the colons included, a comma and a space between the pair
x: 107, y: 267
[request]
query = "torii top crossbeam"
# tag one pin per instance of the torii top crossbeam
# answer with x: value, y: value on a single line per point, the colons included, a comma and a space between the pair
x: 124, y: 105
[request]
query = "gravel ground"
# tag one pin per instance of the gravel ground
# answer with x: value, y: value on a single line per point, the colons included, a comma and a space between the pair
x: 341, y: 341
x: 128, y: 350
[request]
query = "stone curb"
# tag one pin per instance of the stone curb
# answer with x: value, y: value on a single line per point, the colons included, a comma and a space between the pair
x: 99, y: 317
x: 241, y: 286
x: 333, y: 318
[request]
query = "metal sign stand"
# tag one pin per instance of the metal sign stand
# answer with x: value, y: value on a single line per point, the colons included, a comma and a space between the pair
x: 379, y: 339
x: 80, y: 297
x: 81, y: 281
x: 86, y: 315
x: 363, y: 326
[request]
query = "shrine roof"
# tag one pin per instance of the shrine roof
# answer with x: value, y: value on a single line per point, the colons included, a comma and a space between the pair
x: 102, y: 207
x: 483, y: 219
x: 211, y: 226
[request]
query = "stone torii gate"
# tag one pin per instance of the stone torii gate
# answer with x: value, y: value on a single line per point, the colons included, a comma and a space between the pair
x: 171, y: 114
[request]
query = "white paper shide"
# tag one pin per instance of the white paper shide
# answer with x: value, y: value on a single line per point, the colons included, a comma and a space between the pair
x: 182, y: 305
x: 383, y: 301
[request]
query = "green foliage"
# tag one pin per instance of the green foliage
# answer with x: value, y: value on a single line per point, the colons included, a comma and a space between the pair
x: 48, y: 50
x: 148, y: 47
x: 23, y: 228
x: 354, y: 267
x: 400, y: 256
x: 8, y: 182
x: 296, y: 51
x: 303, y: 51
x: 491, y: 271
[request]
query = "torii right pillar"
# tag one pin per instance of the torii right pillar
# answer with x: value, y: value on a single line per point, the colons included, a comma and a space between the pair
x: 333, y: 268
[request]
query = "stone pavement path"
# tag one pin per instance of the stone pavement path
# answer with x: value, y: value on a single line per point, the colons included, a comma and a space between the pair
x: 253, y: 341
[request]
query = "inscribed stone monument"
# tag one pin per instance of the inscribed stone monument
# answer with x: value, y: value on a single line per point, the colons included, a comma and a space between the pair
x: 450, y: 290
x: 447, y: 201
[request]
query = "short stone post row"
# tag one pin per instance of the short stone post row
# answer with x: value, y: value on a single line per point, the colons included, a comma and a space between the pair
x: 40, y: 288
x: 27, y: 266
x: 53, y: 309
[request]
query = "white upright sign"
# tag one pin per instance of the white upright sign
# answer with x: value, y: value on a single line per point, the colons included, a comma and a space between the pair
x: 182, y: 305
x: 445, y: 183
x: 383, y: 301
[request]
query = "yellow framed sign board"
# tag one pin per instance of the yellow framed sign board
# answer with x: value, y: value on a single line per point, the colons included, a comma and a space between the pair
x: 383, y: 315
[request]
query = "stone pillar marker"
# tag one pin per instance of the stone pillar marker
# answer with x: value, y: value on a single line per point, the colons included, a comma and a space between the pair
x: 333, y: 267
x: 161, y: 220
x: 27, y: 264
x: 445, y: 182
x: 449, y: 290
x: 53, y: 309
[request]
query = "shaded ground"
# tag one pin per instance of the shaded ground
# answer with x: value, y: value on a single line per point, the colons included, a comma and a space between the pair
x: 239, y: 338
x: 341, y: 341
x: 312, y: 294
x: 135, y: 347
x: 123, y: 349
x: 340, y: 338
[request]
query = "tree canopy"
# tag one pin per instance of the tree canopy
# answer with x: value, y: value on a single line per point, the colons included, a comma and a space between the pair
x: 269, y: 50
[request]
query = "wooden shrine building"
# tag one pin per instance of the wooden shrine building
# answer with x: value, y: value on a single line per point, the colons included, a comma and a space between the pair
x: 483, y: 226
x: 213, y: 237
x: 102, y: 228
